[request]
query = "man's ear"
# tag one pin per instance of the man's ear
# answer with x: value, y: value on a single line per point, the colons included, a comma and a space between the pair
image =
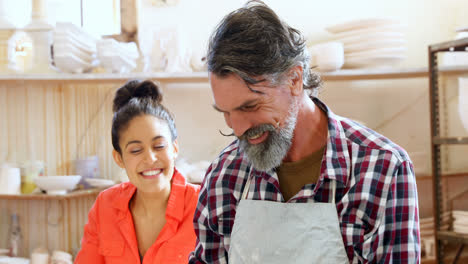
x: 118, y: 159
x: 296, y: 81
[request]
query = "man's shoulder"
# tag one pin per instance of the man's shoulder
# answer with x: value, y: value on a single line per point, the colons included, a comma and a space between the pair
x: 229, y: 167
x: 366, y: 138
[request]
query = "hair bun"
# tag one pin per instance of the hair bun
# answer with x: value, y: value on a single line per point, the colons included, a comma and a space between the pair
x: 137, y: 89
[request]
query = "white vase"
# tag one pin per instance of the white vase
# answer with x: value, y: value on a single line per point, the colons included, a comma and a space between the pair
x: 40, y: 31
x: 463, y: 100
x: 6, y: 32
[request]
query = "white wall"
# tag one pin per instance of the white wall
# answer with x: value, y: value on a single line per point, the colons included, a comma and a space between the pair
x: 428, y: 21
x: 398, y: 109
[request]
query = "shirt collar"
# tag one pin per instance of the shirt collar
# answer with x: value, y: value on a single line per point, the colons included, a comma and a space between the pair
x: 337, y: 162
x: 175, y: 203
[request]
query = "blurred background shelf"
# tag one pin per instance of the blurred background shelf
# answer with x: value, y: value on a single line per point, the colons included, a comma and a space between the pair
x: 71, y: 195
x: 341, y: 75
x: 55, y: 222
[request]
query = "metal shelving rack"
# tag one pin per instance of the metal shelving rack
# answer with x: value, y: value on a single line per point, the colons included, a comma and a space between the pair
x: 437, y: 141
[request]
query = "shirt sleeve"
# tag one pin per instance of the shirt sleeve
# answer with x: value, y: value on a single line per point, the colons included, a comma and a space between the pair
x: 397, y: 237
x: 209, y: 225
x: 89, y: 252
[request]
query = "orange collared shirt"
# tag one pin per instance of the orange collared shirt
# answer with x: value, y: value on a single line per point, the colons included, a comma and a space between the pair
x: 109, y: 235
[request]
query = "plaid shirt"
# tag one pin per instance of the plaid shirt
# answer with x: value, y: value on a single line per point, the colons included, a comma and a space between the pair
x: 375, y: 192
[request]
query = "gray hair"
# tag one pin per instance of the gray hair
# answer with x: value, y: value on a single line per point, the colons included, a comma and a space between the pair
x: 253, y: 42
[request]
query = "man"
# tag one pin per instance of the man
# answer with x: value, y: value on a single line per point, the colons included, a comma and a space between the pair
x: 299, y: 184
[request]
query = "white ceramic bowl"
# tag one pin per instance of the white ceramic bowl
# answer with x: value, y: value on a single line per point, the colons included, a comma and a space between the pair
x: 57, y: 184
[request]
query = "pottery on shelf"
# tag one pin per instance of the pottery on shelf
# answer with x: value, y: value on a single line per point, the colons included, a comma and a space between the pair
x: 40, y: 31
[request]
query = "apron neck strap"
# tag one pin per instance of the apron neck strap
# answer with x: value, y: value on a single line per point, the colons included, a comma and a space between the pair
x: 246, y: 188
x: 333, y: 185
x: 249, y: 178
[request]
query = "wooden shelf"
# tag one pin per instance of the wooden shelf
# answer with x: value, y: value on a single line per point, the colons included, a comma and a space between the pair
x: 450, y: 140
x: 161, y: 77
x: 71, y: 195
x: 202, y: 77
x: 452, y: 237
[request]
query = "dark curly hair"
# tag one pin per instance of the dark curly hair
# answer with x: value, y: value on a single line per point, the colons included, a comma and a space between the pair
x: 137, y: 98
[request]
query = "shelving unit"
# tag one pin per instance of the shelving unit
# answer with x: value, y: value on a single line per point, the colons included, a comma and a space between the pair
x: 55, y: 222
x: 437, y: 140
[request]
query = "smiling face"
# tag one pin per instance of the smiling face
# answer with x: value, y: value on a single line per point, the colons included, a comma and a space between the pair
x: 264, y: 121
x: 148, y: 153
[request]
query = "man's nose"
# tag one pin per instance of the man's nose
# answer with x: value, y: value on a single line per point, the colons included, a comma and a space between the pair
x: 238, y: 123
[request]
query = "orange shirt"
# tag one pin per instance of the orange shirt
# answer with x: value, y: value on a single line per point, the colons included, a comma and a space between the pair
x: 109, y: 235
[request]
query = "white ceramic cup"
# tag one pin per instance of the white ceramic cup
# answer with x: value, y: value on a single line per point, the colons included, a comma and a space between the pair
x: 327, y: 56
x: 39, y: 258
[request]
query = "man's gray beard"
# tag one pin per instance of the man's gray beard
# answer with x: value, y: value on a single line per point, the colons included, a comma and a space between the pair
x: 270, y: 153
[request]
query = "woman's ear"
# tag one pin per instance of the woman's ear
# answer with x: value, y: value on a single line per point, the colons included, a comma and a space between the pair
x: 118, y: 159
x: 175, y: 146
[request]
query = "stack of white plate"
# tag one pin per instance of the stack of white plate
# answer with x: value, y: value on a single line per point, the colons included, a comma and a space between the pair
x: 427, y: 225
x: 74, y: 49
x: 426, y: 229
x: 460, y: 222
x: 117, y: 57
x: 373, y: 42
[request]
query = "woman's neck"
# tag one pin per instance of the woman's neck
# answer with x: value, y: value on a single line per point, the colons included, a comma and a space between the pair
x: 150, y: 204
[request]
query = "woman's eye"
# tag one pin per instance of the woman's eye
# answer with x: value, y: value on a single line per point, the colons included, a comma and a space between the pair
x: 134, y: 151
x: 159, y: 146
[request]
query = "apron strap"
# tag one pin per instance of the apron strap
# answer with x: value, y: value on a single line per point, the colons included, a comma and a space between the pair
x: 333, y: 185
x: 246, y: 188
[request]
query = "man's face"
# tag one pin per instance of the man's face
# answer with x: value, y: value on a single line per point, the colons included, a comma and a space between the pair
x: 264, y: 120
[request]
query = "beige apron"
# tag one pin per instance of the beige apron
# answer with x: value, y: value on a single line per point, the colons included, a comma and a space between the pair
x: 273, y: 232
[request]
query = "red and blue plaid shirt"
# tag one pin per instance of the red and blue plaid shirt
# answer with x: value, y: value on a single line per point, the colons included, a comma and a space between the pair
x: 375, y: 192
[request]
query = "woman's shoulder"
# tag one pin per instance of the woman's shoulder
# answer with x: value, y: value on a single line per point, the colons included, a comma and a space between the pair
x: 192, y: 190
x: 118, y: 192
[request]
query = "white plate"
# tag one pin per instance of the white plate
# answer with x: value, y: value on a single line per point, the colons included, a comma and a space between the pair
x: 461, y: 230
x: 376, y: 52
x: 376, y: 29
x: 368, y: 37
x: 378, y: 61
x: 88, y: 45
x: 375, y: 44
x: 71, y: 63
x: 68, y: 48
x: 361, y: 23
x: 460, y: 213
x: 99, y: 182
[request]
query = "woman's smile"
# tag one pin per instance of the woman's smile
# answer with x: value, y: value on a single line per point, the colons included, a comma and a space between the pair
x: 151, y: 173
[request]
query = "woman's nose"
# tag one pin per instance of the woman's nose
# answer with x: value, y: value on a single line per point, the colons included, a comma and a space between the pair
x: 150, y: 156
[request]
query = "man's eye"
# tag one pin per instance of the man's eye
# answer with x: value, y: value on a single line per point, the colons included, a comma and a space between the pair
x: 249, y: 107
x: 159, y: 146
x: 134, y: 151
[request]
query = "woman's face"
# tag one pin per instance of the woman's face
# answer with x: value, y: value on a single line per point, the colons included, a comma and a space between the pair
x: 148, y: 153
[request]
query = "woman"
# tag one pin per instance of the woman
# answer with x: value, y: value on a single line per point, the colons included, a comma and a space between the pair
x: 149, y: 218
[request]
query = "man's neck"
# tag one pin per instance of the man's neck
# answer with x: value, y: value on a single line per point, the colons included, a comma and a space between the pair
x: 311, y: 131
